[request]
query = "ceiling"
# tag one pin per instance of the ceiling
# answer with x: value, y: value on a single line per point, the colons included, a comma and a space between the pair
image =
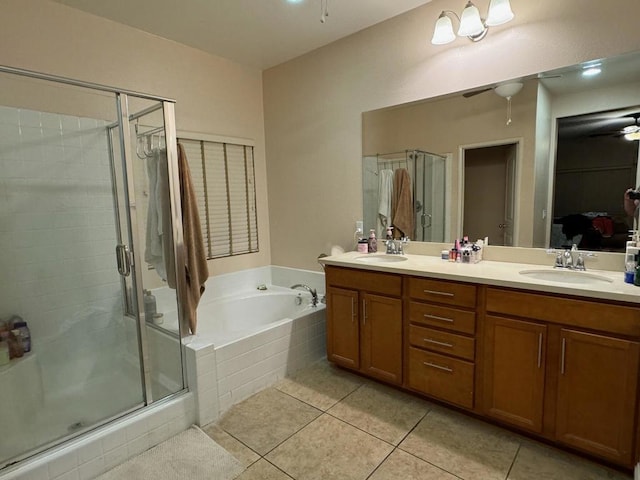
x: 256, y: 33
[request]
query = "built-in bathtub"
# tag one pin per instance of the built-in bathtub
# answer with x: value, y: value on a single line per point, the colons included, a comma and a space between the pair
x: 248, y: 338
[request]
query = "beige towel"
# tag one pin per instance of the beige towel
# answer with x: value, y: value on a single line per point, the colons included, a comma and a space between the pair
x: 402, y: 204
x: 196, y: 268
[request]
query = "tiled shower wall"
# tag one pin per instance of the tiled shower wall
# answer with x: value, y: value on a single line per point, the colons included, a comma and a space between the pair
x: 57, y: 238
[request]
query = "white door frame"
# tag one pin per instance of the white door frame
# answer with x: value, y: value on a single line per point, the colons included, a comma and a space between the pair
x: 519, y: 141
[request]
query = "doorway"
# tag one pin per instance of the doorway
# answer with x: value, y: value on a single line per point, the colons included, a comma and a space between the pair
x: 488, y: 176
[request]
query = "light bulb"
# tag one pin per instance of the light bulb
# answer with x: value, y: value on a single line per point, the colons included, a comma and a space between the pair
x: 470, y: 22
x: 499, y: 13
x: 443, y: 32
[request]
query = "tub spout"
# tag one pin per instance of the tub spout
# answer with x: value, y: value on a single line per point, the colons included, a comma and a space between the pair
x: 312, y: 291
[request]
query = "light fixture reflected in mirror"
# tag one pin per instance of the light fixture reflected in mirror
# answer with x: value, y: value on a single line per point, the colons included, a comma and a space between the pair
x: 471, y: 24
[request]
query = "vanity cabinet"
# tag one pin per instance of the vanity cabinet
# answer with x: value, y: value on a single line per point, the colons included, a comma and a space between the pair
x: 596, y: 400
x: 561, y: 368
x: 364, y: 322
x: 441, y: 339
x: 514, y: 371
x: 567, y: 370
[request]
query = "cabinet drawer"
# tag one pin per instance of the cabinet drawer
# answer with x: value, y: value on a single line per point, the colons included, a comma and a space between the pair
x: 442, y: 377
x: 441, y: 291
x: 386, y: 283
x: 462, y: 321
x: 607, y: 317
x: 443, y: 342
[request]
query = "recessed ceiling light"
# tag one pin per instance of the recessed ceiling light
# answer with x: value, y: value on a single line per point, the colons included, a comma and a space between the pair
x: 295, y: 1
x: 591, y: 71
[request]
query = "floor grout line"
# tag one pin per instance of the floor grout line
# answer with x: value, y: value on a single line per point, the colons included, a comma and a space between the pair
x: 513, y: 462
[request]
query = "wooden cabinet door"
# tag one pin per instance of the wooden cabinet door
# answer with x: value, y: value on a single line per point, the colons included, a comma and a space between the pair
x: 514, y: 366
x: 343, y: 332
x: 597, y: 394
x: 382, y: 337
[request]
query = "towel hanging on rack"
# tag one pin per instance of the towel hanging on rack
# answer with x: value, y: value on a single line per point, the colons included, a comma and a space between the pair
x: 402, y: 205
x: 158, y: 246
x: 385, y: 189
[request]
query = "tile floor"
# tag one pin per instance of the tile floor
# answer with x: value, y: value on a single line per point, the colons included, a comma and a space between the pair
x: 326, y: 423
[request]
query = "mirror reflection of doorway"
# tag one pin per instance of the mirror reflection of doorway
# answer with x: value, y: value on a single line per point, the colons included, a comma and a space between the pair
x: 489, y: 186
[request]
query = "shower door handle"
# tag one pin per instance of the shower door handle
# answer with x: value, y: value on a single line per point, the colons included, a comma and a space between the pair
x: 424, y: 223
x: 123, y: 257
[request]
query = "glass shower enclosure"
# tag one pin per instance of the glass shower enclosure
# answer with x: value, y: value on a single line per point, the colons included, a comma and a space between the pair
x: 427, y: 172
x: 73, y: 203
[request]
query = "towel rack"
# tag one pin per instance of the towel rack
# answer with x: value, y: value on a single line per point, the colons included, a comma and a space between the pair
x: 146, y: 141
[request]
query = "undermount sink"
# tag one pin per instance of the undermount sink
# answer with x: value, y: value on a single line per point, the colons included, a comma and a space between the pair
x: 381, y: 258
x: 566, y: 276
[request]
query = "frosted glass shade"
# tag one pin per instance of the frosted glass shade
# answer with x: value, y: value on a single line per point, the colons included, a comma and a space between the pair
x: 632, y: 136
x: 507, y: 90
x: 470, y: 22
x: 499, y: 13
x: 443, y: 32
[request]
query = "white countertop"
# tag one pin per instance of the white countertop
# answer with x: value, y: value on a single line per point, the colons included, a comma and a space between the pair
x: 502, y: 274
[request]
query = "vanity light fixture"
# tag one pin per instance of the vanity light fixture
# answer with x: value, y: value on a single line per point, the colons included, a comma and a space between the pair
x: 472, y: 25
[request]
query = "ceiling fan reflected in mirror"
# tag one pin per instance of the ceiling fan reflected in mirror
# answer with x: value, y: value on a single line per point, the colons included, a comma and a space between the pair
x: 632, y: 132
x: 508, y: 90
x: 505, y: 90
x: 621, y: 123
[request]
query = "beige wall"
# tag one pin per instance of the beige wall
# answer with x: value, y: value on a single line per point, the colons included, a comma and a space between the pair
x: 313, y: 104
x: 213, y: 95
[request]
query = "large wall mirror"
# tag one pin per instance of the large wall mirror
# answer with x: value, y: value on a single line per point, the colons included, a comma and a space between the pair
x: 539, y: 161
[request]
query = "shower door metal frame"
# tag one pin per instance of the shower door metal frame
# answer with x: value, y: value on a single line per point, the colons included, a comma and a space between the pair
x: 124, y: 124
x: 132, y: 220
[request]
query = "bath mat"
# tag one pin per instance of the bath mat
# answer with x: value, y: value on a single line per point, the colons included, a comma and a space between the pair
x: 191, y: 455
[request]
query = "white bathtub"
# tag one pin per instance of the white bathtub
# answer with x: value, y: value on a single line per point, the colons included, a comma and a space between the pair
x: 231, y: 319
x: 247, y: 339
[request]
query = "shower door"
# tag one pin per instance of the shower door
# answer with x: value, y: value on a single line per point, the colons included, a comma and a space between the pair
x: 430, y: 196
x: 70, y: 253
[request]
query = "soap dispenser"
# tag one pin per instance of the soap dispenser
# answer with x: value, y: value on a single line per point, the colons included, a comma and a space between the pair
x: 373, y: 243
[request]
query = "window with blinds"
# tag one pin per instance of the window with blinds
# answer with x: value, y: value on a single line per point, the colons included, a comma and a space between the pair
x: 223, y: 176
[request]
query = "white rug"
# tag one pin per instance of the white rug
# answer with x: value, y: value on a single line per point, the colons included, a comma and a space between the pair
x: 191, y: 455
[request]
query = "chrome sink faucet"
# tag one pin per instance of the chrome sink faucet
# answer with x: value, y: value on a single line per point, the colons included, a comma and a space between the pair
x: 395, y: 247
x: 571, y: 259
x: 312, y: 291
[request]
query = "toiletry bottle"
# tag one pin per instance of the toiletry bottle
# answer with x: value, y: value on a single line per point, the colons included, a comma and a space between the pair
x: 149, y: 305
x: 15, y: 345
x: 357, y: 236
x: 4, y: 352
x: 25, y: 335
x: 636, y: 278
x: 363, y: 245
x: 373, y: 243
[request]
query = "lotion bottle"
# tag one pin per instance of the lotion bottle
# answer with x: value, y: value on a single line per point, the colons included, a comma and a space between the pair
x: 373, y: 243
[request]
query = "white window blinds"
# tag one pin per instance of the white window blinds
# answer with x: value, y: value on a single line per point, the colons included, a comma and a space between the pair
x: 223, y: 177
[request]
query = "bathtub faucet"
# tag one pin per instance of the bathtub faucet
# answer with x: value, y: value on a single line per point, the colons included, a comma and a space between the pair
x: 312, y: 291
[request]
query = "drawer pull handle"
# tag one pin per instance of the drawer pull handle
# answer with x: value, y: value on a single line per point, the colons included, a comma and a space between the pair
x: 435, y: 317
x: 436, y: 342
x: 435, y: 292
x: 439, y: 367
x: 364, y: 312
x: 353, y: 310
x: 539, y: 350
x: 564, y: 348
